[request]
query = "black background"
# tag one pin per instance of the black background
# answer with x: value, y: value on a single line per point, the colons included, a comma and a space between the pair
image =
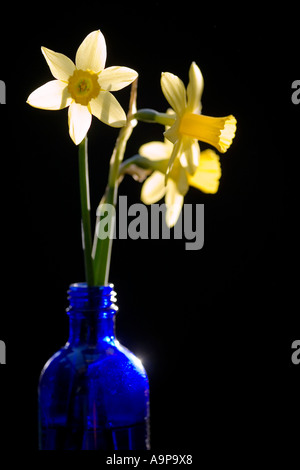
x: 213, y: 327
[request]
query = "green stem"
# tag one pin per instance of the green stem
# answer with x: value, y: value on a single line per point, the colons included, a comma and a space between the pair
x: 150, y: 115
x: 102, y: 248
x: 144, y: 163
x: 85, y: 211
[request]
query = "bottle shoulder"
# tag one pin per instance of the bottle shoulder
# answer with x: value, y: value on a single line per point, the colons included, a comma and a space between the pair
x: 131, y: 358
x: 80, y: 358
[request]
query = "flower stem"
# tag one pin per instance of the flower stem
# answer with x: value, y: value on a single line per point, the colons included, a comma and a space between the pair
x: 150, y: 115
x: 102, y: 247
x: 85, y: 211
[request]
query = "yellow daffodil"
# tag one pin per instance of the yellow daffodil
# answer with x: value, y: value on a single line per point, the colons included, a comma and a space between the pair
x: 206, y: 178
x: 189, y: 125
x: 84, y: 87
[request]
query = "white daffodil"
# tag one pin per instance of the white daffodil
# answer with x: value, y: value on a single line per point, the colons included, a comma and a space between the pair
x: 84, y: 86
x: 206, y: 178
x: 189, y: 125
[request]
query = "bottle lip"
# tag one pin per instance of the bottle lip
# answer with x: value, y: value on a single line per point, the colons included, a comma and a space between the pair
x: 88, y: 298
x: 83, y: 285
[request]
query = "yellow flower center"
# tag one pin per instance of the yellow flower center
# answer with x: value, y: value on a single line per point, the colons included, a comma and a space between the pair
x: 218, y: 132
x: 83, y: 86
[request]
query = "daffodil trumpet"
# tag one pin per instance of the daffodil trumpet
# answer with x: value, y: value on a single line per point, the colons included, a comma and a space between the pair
x: 216, y: 131
x: 190, y: 125
x: 186, y: 125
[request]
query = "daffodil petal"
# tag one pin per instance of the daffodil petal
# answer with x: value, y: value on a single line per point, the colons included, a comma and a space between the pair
x: 174, y: 202
x: 208, y: 173
x: 91, y: 54
x: 175, y: 153
x: 156, y: 150
x: 154, y: 188
x: 60, y: 65
x: 172, y: 133
x: 79, y: 122
x: 174, y: 91
x: 194, y: 89
x: 116, y: 78
x: 106, y: 108
x: 52, y: 96
x: 182, y: 181
x: 190, y: 154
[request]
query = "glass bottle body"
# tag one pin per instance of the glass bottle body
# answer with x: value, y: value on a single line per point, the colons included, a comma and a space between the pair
x: 93, y: 393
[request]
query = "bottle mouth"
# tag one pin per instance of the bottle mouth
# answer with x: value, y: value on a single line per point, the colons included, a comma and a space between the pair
x: 88, y: 298
x: 84, y: 286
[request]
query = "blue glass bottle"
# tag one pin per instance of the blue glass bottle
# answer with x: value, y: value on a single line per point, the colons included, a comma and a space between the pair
x: 93, y: 393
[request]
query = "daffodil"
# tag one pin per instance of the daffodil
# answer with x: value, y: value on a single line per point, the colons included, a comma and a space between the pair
x: 84, y: 86
x: 206, y: 177
x: 188, y: 124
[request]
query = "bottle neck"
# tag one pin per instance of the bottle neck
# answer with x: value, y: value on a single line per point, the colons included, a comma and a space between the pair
x: 91, y: 314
